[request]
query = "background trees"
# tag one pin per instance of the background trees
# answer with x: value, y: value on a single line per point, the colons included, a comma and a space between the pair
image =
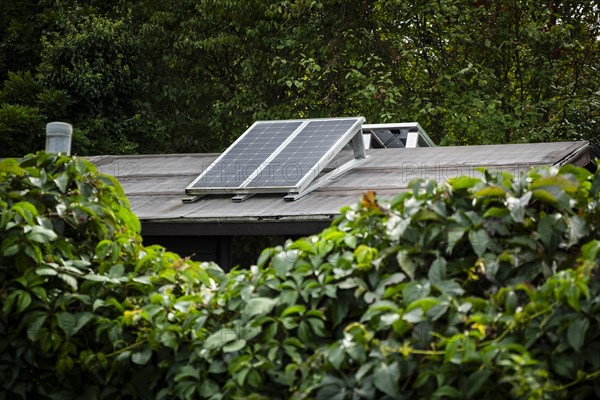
x: 184, y: 75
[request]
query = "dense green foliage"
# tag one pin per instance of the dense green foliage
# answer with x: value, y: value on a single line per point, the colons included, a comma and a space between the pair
x: 483, y: 287
x: 74, y: 275
x: 191, y: 75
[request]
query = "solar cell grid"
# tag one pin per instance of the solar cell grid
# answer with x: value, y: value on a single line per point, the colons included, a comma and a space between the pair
x: 302, y: 153
x: 246, y: 155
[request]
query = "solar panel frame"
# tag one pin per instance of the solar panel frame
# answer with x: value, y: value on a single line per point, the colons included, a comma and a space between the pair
x: 252, y: 165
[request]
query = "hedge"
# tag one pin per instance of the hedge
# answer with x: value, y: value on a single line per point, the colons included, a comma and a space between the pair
x: 479, y: 287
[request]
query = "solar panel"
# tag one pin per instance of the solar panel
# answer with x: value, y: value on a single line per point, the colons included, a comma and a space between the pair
x: 388, y: 138
x: 306, y: 154
x: 403, y: 134
x: 278, y: 156
x: 246, y: 155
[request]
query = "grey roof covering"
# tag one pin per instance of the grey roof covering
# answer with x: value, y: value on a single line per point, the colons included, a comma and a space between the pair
x: 155, y: 184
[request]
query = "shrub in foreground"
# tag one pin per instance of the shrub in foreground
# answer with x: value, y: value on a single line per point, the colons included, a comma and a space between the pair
x: 74, y: 279
x: 477, y: 288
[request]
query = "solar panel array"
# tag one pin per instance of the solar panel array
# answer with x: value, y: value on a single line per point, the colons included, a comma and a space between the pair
x: 276, y: 156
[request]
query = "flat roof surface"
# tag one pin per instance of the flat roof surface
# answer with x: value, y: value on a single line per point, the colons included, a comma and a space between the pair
x: 155, y: 184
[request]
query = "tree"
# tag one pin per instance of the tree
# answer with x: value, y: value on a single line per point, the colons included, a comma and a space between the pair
x: 185, y: 75
x: 95, y: 60
x: 20, y: 29
x: 470, y: 72
x: 25, y: 107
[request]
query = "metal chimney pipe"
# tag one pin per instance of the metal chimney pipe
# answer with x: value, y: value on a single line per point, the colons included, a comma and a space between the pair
x: 58, y: 137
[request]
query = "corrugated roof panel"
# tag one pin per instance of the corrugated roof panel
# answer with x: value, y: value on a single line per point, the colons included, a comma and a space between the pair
x: 155, y: 184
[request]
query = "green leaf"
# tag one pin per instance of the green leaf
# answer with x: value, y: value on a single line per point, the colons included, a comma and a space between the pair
x: 116, y: 271
x: 35, y: 326
x: 437, y: 271
x: 577, y: 229
x: 258, y: 306
x: 546, y: 229
x: 295, y: 309
x: 142, y: 357
x: 82, y: 319
x: 283, y: 262
x: 424, y: 303
x: 69, y: 280
x: 103, y: 249
x: 447, y: 392
x: 317, y: 326
x: 490, y: 191
x: 61, y: 181
x: 67, y: 322
x: 9, y: 301
x: 517, y: 206
x: 576, y: 333
x: 220, y: 338
x: 234, y: 346
x: 387, y: 378
x: 187, y: 372
x: 302, y: 245
x: 41, y: 235
x: 217, y: 367
x: 25, y: 210
x: 351, y: 241
x: 454, y: 235
x: 169, y: 339
x: 23, y: 301
x: 304, y: 331
x: 414, y: 316
x: 209, y: 388
x: 265, y: 256
x: 11, y: 166
x: 566, y: 185
x: 595, y: 188
x: 46, y: 271
x: 331, y: 392
x: 425, y: 214
x: 64, y: 364
x: 336, y: 355
x: 365, y: 255
x: 480, y: 240
x: 495, y: 212
x: 334, y: 235
x: 11, y: 250
x: 475, y: 381
x: 589, y: 251
x: 254, y: 378
x: 564, y: 364
x: 463, y: 182
x: 406, y: 263
x: 416, y: 290
x: 545, y: 196
x: 450, y: 287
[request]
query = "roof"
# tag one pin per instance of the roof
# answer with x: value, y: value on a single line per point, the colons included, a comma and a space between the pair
x: 155, y: 185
